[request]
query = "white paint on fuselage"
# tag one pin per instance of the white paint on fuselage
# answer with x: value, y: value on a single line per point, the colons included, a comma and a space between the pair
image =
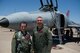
x: 30, y: 18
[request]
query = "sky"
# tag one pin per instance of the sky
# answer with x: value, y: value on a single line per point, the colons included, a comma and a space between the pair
x: 8, y: 7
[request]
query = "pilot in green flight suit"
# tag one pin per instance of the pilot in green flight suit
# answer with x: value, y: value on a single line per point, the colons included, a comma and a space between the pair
x: 41, y: 38
x: 21, y: 42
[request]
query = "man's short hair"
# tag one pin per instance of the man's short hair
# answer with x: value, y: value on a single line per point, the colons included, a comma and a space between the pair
x: 39, y: 17
x: 23, y: 23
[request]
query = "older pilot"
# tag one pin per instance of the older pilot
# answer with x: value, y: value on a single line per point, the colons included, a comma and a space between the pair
x: 41, y: 38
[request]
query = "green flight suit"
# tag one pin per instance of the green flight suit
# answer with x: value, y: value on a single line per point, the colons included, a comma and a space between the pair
x: 42, y: 40
x: 21, y: 44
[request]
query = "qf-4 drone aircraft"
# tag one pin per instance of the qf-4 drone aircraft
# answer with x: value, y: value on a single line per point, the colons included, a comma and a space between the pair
x: 49, y: 12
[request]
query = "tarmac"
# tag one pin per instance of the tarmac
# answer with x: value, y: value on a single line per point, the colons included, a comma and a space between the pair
x: 6, y: 37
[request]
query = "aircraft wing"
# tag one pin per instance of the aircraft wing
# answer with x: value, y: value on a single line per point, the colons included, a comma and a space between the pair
x: 73, y: 24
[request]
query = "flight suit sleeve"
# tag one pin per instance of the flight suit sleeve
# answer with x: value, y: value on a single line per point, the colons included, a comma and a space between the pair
x: 13, y: 44
x: 33, y: 42
x: 49, y: 41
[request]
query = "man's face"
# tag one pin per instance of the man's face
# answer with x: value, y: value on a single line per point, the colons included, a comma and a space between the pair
x: 23, y: 27
x: 39, y: 21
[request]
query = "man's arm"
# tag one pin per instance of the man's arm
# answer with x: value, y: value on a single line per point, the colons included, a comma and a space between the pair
x: 49, y: 35
x: 33, y: 42
x: 13, y: 44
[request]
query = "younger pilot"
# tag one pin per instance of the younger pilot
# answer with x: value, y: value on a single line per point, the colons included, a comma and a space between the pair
x: 21, y: 42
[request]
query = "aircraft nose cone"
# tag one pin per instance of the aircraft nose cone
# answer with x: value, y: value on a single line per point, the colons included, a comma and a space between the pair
x: 4, y: 22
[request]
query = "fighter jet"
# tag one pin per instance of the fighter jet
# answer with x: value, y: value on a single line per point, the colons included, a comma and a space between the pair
x: 52, y: 17
x: 49, y: 12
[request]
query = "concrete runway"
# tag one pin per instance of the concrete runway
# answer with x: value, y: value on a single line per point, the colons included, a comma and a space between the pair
x: 6, y: 37
x: 5, y: 40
